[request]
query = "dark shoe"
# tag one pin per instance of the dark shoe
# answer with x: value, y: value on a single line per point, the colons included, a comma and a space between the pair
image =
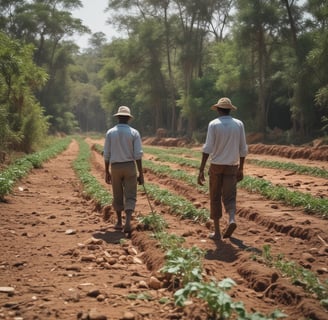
x: 214, y: 236
x: 231, y: 228
x: 118, y: 226
x: 127, y: 229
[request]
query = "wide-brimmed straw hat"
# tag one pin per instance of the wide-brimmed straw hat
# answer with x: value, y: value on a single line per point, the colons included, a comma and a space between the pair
x: 224, y: 103
x: 123, y: 111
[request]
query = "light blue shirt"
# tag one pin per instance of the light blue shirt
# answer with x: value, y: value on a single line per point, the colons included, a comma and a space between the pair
x: 225, y: 141
x: 122, y: 144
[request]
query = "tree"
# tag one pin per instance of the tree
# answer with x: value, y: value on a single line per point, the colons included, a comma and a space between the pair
x: 23, y: 122
x: 257, y: 29
x: 45, y: 24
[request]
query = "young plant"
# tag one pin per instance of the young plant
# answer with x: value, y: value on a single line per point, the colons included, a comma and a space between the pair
x: 299, y: 275
x: 184, y: 264
x: 153, y: 222
x: 219, y: 303
x: 169, y: 241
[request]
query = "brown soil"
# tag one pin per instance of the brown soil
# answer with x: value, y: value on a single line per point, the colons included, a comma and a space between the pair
x: 60, y: 259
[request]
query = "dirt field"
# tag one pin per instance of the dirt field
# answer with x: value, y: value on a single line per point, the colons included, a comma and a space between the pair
x: 59, y: 259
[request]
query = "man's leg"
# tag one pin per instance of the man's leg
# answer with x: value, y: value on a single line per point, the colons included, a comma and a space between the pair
x: 215, y: 181
x: 130, y: 194
x: 128, y: 215
x: 229, y: 192
x: 118, y: 225
x: 117, y: 189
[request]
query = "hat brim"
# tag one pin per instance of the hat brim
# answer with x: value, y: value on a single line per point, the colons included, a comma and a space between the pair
x: 223, y: 106
x: 123, y: 114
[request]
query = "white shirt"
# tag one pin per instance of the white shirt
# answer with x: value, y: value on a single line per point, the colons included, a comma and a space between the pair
x: 122, y: 144
x: 225, y: 141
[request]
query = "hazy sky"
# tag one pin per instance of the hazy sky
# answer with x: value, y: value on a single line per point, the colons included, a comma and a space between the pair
x: 92, y: 15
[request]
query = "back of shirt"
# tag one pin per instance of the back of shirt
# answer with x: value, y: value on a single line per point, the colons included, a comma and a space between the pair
x: 225, y: 141
x: 122, y: 144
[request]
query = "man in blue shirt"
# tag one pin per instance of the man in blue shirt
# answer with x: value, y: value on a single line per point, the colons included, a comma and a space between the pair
x: 122, y: 152
x: 226, y: 146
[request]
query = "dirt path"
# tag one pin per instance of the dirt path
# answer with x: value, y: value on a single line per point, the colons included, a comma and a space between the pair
x: 60, y: 260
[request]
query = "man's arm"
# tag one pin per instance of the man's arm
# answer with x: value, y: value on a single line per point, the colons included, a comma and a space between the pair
x: 140, y: 177
x: 201, y: 176
x: 108, y: 177
x: 240, y: 173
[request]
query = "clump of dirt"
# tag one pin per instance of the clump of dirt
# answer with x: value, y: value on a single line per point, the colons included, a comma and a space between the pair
x: 259, y: 278
x: 153, y: 255
x: 167, y: 142
x: 312, y: 153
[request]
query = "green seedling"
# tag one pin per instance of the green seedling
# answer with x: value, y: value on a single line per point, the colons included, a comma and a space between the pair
x: 184, y: 264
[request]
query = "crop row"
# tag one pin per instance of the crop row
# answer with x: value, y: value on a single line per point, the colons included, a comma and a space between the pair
x: 91, y: 185
x: 290, y: 269
x: 185, y: 209
x: 264, y: 187
x: 22, y: 166
x: 299, y: 169
x: 184, y: 266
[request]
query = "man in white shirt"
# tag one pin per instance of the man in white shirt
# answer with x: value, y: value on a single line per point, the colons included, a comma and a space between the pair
x: 122, y: 152
x: 226, y: 146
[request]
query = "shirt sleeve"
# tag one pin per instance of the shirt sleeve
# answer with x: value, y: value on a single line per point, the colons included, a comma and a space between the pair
x: 137, y: 146
x: 209, y: 142
x: 107, y: 148
x: 243, y: 148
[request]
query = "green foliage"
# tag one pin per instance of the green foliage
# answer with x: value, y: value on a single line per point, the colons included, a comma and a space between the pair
x: 178, y: 205
x: 309, y: 203
x: 22, y: 119
x: 184, y: 264
x: 298, y: 275
x: 311, y: 171
x: 220, y: 305
x: 153, y: 221
x: 169, y: 240
x: 66, y: 122
x: 162, y: 170
x: 214, y: 294
x: 91, y: 185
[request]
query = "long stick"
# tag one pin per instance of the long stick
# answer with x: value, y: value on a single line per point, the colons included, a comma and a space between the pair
x: 151, y: 208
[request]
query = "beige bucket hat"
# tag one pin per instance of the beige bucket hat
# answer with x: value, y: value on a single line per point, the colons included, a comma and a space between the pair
x: 224, y: 103
x: 123, y: 111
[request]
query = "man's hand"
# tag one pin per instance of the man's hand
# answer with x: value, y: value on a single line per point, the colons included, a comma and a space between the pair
x: 140, y: 179
x: 201, y: 178
x: 240, y: 175
x: 108, y: 178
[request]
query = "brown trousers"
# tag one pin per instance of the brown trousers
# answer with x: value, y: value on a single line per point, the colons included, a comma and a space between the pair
x: 223, y: 189
x: 124, y: 185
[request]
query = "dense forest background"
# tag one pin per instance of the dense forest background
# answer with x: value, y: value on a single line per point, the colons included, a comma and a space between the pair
x: 174, y: 60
